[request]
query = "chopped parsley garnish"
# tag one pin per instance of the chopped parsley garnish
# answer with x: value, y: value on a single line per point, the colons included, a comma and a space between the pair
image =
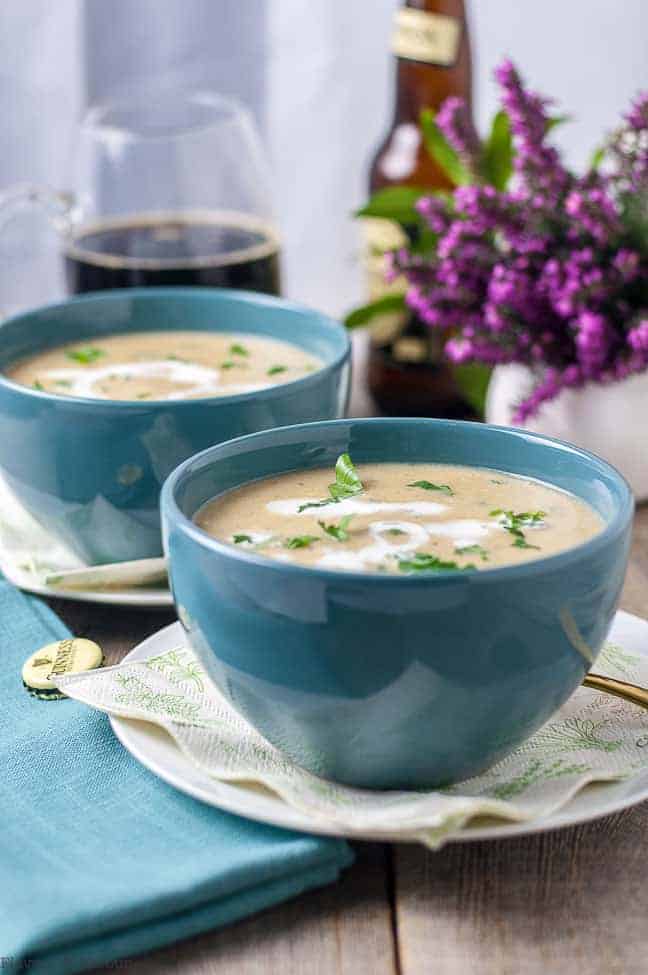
x: 176, y: 358
x: 275, y: 370
x: 237, y: 349
x: 521, y: 542
x: 338, y: 532
x: 514, y: 523
x: 86, y: 354
x: 472, y: 550
x: 144, y: 395
x: 62, y: 382
x: 38, y: 385
x: 228, y: 364
x: 426, y: 562
x: 239, y: 539
x: 315, y: 504
x: 347, y: 484
x: 429, y: 486
x: 396, y: 531
x: 300, y: 541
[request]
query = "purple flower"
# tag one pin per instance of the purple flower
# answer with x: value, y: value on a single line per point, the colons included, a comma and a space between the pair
x: 545, y: 273
x: 455, y: 122
x: 638, y: 337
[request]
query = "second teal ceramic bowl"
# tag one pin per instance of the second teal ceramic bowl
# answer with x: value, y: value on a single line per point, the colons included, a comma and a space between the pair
x: 389, y: 681
x: 90, y: 469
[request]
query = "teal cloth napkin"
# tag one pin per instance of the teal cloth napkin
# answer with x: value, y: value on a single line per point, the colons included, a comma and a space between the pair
x: 99, y: 859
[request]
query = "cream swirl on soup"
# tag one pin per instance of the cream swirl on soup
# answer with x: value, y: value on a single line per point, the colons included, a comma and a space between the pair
x: 400, y: 518
x: 167, y: 365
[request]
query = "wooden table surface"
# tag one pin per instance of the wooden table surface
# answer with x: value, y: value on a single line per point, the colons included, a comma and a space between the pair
x: 569, y: 902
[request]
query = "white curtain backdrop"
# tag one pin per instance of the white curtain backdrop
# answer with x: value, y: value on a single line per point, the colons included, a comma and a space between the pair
x: 317, y: 76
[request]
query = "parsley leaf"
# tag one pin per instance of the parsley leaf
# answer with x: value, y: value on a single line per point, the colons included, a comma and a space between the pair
x: 425, y: 562
x: 86, y: 354
x: 237, y: 349
x: 472, y: 550
x: 238, y: 539
x: 228, y: 364
x: 396, y: 531
x: 38, y: 385
x: 300, y: 541
x: 275, y: 370
x: 429, y: 486
x: 511, y: 520
x: 339, y: 532
x: 514, y: 523
x: 347, y: 481
x: 315, y: 504
x: 521, y: 542
x: 347, y: 484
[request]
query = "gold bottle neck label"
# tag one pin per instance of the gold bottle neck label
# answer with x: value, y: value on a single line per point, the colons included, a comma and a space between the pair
x: 422, y: 36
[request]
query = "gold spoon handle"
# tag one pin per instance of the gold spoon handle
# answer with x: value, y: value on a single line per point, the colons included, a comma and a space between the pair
x: 629, y: 692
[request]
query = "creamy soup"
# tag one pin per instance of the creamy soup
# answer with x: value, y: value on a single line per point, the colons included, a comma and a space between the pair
x: 400, y: 518
x: 164, y: 365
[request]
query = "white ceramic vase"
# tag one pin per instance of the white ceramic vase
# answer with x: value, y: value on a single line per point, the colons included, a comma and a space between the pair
x: 611, y: 421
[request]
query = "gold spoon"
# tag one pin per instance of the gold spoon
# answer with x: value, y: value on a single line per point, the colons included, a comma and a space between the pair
x: 629, y: 692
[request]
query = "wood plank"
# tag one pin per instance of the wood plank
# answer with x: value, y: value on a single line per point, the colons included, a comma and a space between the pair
x: 568, y: 901
x: 554, y: 904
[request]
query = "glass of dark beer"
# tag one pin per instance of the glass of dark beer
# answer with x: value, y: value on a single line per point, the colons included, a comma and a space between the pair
x: 168, y: 188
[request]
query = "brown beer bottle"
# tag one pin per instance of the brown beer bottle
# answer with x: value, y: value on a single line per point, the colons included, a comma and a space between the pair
x: 407, y: 372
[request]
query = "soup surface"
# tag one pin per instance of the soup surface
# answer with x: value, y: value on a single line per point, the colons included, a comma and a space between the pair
x: 164, y: 365
x: 400, y: 518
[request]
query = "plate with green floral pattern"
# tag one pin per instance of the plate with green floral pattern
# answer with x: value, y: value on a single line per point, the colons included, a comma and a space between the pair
x: 607, y: 732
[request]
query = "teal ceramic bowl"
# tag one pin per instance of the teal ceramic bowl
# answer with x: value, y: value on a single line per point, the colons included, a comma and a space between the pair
x: 91, y: 470
x: 395, y: 682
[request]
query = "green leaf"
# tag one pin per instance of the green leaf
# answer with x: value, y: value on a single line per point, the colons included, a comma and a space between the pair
x: 425, y: 562
x: 597, y: 158
x: 442, y: 152
x: 239, y: 539
x: 347, y: 484
x: 300, y: 541
x: 473, y: 378
x: 316, y: 504
x: 514, y: 523
x: 275, y: 370
x: 429, y: 486
x: 38, y: 385
x: 497, y: 154
x: 472, y: 550
x: 521, y: 542
x: 394, y: 203
x: 85, y: 354
x: 347, y: 481
x: 338, y: 532
x: 237, y: 349
x: 554, y: 120
x: 387, y: 305
x: 228, y: 364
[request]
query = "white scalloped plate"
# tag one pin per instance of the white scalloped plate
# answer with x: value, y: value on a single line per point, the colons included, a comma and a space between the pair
x: 151, y: 746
